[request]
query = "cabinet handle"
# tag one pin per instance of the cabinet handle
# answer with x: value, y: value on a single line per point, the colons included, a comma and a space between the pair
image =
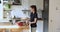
x: 51, y: 20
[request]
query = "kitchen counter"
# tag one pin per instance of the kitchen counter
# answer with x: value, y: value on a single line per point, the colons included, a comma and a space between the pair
x: 9, y: 26
x: 14, y: 28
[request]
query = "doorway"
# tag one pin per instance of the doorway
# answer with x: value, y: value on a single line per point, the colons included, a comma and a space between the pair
x: 45, y: 15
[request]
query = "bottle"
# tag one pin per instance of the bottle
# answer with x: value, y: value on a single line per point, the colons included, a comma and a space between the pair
x: 14, y: 20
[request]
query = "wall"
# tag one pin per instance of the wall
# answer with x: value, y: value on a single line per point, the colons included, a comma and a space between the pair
x: 38, y: 3
x: 26, y: 3
x: 25, y: 6
x: 17, y: 9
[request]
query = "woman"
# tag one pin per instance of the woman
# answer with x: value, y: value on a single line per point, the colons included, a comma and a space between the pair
x: 33, y: 18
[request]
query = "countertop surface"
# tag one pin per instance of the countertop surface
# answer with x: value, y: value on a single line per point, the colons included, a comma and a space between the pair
x: 10, y: 26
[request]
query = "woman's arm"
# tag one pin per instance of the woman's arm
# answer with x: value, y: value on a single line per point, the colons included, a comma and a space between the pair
x: 35, y: 20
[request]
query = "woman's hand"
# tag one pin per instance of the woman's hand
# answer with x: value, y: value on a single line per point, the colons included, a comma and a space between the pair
x: 30, y: 23
x: 35, y: 21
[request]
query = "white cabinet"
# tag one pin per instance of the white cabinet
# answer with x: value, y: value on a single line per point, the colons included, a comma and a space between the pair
x: 54, y: 16
x: 39, y: 26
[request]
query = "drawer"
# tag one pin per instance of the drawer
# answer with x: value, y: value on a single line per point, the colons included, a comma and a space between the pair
x: 2, y: 30
x: 16, y: 30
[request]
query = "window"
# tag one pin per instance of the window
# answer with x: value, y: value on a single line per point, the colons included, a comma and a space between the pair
x: 0, y: 1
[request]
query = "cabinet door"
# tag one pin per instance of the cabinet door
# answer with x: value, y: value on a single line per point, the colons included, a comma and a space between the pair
x: 15, y: 30
x: 54, y: 16
x: 57, y: 16
x: 2, y: 30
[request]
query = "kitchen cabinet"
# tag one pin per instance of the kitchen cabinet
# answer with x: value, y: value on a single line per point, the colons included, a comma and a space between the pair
x: 54, y: 16
x: 2, y: 30
x: 14, y: 28
x: 40, y: 26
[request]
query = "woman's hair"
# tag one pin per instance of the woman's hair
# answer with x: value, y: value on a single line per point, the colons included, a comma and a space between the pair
x: 34, y: 7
